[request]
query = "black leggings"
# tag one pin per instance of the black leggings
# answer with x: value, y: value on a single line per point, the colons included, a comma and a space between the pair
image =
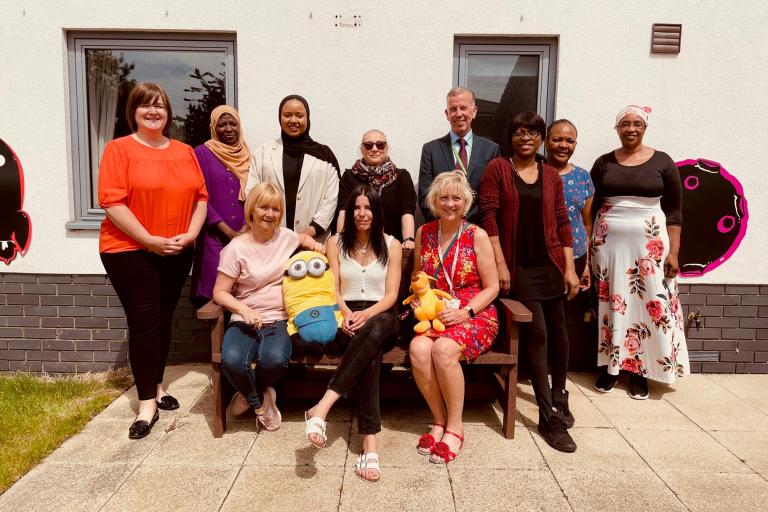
x: 360, y: 365
x: 149, y: 287
x: 546, y: 339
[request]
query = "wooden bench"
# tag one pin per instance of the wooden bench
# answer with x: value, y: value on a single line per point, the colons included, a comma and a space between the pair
x: 502, y: 359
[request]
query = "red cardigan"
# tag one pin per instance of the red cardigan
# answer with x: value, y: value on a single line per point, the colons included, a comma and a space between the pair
x: 499, y: 205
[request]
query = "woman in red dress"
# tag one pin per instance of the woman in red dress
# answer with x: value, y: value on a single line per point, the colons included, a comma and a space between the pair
x: 459, y: 256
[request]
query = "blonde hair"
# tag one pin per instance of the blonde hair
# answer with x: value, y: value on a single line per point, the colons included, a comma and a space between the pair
x: 445, y: 181
x: 262, y: 194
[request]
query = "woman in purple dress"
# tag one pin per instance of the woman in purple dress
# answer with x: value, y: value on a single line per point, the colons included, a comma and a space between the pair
x: 225, y: 160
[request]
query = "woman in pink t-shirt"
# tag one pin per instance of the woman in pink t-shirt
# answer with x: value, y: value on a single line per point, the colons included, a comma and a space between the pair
x: 256, y: 346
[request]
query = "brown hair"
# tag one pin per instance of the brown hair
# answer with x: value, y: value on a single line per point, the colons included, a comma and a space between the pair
x: 263, y: 194
x: 146, y: 93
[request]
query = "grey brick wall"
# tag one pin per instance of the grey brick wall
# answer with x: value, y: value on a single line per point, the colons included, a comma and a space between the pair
x: 75, y: 323
x: 732, y: 336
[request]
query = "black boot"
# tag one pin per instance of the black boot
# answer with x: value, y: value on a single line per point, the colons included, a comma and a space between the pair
x: 555, y: 433
x: 560, y: 402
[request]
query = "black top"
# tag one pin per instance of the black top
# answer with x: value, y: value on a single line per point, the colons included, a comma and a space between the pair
x: 658, y: 177
x: 530, y: 245
x: 291, y: 175
x: 535, y: 277
x: 397, y: 199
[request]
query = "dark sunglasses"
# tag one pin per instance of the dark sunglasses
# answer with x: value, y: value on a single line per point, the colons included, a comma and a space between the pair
x: 381, y: 145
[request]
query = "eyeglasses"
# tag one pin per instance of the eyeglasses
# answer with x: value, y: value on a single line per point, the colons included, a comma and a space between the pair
x: 156, y: 106
x: 637, y: 125
x: 521, y: 134
x: 381, y: 145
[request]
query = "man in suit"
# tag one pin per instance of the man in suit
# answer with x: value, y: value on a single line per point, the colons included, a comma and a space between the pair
x: 459, y: 149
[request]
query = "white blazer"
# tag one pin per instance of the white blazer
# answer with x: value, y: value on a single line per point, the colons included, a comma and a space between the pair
x: 318, y: 189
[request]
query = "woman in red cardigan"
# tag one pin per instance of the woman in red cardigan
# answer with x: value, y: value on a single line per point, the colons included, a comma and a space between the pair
x: 523, y: 210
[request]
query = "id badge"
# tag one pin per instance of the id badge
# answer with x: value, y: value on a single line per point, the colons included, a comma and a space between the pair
x: 452, y: 303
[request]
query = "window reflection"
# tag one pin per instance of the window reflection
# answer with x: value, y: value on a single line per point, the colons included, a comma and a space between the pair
x: 195, y: 81
x: 505, y: 85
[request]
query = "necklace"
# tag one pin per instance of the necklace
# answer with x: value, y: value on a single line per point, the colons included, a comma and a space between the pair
x: 514, y: 168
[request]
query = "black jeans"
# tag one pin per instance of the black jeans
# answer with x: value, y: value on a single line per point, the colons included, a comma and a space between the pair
x: 546, y: 336
x: 149, y: 287
x: 361, y: 365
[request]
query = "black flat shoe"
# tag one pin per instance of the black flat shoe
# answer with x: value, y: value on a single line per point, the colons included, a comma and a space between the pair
x: 167, y: 403
x: 142, y: 428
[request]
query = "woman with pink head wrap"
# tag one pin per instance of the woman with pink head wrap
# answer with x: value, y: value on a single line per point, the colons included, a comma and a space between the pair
x: 634, y: 256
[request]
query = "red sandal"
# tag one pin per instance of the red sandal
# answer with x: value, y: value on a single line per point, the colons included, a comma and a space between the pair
x: 443, y: 451
x: 427, y: 442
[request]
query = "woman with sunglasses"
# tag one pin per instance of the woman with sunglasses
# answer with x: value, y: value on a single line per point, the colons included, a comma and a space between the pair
x: 395, y: 187
x: 523, y: 209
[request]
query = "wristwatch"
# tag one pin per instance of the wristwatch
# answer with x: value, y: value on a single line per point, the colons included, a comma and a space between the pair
x: 409, y: 239
x: 470, y: 311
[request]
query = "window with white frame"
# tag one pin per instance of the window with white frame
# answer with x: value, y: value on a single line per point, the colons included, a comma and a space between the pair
x: 197, y: 72
x: 508, y: 76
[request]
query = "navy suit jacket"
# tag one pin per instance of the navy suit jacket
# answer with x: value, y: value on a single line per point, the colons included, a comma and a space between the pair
x: 437, y: 157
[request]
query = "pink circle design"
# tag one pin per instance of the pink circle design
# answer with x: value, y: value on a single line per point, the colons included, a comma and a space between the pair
x: 726, y: 223
x: 691, y: 182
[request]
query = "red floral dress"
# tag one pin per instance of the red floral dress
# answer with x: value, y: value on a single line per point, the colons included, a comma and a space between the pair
x: 476, y: 335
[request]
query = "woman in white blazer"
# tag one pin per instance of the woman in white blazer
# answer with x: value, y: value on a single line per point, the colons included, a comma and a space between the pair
x: 306, y: 172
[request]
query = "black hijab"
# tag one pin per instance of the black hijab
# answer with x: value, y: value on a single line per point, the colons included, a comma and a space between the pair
x: 297, y: 147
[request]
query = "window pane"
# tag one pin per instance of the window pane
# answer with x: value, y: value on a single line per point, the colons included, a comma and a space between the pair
x: 505, y: 85
x: 195, y: 81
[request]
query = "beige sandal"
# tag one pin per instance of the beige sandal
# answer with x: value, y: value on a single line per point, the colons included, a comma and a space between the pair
x: 368, y: 462
x: 270, y: 417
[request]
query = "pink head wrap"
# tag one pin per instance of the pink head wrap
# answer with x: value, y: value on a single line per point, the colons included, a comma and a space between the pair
x: 633, y: 109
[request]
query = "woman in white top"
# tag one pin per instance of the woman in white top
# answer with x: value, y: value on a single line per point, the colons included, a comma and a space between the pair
x: 249, y: 284
x: 366, y: 265
x: 306, y: 171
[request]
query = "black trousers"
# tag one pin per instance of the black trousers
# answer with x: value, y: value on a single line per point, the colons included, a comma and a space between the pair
x: 149, y: 287
x: 546, y: 341
x: 360, y: 365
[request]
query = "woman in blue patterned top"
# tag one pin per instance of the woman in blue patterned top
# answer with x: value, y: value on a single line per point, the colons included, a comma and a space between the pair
x: 578, y: 190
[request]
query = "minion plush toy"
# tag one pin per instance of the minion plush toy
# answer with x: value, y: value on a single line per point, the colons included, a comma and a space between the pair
x: 310, y: 301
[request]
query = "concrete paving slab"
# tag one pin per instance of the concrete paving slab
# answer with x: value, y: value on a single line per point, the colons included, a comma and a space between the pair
x: 173, y: 488
x: 105, y: 442
x: 487, y: 448
x: 748, y: 387
x: 644, y: 414
x: 615, y: 489
x: 268, y: 488
x: 750, y: 447
x: 401, y: 489
x: 718, y: 492
x: 509, y: 490
x: 64, y: 488
x: 674, y: 450
x: 597, y: 449
x: 290, y: 447
x: 191, y: 444
x: 695, y: 387
x: 722, y: 413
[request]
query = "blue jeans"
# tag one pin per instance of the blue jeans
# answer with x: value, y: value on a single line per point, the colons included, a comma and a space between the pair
x: 253, y: 359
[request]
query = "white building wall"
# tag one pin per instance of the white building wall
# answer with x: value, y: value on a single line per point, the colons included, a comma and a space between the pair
x: 392, y: 73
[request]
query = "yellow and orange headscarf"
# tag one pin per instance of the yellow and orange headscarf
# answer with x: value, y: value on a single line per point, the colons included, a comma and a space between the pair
x: 237, y: 158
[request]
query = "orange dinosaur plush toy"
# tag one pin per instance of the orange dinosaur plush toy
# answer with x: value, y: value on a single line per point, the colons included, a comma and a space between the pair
x: 430, y: 304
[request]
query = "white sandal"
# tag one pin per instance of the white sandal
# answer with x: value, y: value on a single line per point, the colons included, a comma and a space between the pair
x: 368, y: 461
x: 315, y: 425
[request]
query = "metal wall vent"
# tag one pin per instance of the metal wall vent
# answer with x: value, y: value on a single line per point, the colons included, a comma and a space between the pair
x: 665, y: 38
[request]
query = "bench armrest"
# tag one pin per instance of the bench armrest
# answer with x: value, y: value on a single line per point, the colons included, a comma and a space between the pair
x: 210, y: 311
x: 516, y: 311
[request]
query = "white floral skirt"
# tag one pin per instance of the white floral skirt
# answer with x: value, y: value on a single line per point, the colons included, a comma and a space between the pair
x: 641, y: 321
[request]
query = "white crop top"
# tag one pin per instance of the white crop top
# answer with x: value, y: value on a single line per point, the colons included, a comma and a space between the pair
x: 359, y: 282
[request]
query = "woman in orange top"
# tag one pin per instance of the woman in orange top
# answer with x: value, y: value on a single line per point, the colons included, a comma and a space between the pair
x: 153, y: 193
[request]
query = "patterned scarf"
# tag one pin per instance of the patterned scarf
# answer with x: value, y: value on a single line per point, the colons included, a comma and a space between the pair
x: 377, y: 177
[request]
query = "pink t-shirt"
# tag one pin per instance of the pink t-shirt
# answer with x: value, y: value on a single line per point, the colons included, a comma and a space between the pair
x: 258, y: 268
